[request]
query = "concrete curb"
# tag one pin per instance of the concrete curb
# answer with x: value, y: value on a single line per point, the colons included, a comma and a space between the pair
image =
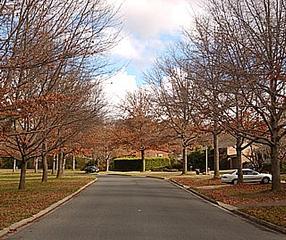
x: 156, y: 177
x: 261, y: 222
x: 233, y: 209
x: 12, y: 228
x: 194, y: 191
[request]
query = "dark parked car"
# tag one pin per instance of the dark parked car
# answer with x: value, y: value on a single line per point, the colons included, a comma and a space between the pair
x: 91, y: 169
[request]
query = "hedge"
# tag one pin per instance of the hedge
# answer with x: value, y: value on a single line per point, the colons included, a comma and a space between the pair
x: 157, y: 162
x: 135, y: 164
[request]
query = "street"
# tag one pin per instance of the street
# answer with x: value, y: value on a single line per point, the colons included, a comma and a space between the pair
x: 123, y: 208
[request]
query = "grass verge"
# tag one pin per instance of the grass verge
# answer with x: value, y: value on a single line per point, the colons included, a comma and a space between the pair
x: 274, y: 214
x: 16, y: 205
x: 254, y: 199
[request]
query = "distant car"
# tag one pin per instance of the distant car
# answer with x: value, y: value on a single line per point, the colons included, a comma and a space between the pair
x: 249, y: 175
x: 91, y: 169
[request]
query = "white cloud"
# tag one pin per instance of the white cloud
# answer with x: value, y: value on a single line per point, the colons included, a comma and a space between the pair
x: 127, y: 48
x: 138, y: 52
x: 118, y: 86
x: 148, y: 18
x: 144, y: 22
x: 148, y: 27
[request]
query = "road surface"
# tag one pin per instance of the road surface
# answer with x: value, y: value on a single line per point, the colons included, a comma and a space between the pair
x: 123, y: 208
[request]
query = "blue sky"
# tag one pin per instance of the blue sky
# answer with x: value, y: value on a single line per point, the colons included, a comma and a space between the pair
x: 149, y: 27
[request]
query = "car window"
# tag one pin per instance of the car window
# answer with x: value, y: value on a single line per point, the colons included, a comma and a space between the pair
x: 247, y: 172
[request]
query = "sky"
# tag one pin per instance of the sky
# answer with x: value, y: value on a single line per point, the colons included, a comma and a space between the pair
x: 149, y: 27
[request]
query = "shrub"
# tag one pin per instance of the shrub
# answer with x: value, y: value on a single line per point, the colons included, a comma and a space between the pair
x: 157, y: 163
x: 6, y: 162
x: 135, y: 164
x: 127, y: 164
x: 81, y: 162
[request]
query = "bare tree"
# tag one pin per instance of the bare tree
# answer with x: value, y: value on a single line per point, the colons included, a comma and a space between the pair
x: 201, y: 57
x: 48, y: 51
x: 141, y: 128
x: 256, y: 31
x: 174, y: 97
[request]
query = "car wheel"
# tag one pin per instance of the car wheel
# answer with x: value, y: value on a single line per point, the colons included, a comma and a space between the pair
x: 265, y: 180
x: 235, y: 181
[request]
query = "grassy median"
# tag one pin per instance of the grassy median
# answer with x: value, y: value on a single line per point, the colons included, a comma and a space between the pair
x: 16, y: 205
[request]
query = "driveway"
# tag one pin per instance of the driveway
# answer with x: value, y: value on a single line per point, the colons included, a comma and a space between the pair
x: 123, y: 208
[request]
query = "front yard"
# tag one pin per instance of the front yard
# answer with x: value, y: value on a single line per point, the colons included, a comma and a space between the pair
x: 16, y: 205
x: 254, y: 199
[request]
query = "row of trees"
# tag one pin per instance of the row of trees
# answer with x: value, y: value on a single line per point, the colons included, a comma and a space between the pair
x: 52, y: 63
x: 228, y: 74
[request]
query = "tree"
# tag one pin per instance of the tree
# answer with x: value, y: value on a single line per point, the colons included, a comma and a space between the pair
x: 140, y: 128
x: 256, y: 31
x: 174, y: 97
x: 202, y: 57
x: 46, y: 50
x: 102, y: 140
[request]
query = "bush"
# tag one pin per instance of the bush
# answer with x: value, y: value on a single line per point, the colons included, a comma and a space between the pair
x: 178, y: 165
x: 127, y: 164
x: 81, y: 162
x: 156, y: 163
x: 197, y: 160
x: 7, y: 162
x: 135, y: 164
x: 266, y: 167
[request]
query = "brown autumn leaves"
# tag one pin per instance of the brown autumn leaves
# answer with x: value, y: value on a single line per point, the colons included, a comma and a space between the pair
x: 52, y: 62
x: 226, y: 75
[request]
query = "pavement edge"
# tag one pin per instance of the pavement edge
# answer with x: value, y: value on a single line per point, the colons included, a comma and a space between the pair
x: 232, y: 209
x: 12, y: 228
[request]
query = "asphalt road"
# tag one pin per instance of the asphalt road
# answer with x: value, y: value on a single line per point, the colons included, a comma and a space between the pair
x: 123, y: 208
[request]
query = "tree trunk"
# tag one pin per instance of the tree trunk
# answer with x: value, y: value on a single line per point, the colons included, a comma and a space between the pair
x: 14, y: 165
x: 64, y: 162
x: 54, y: 164
x: 275, y: 163
x: 143, y: 159
x: 206, y: 150
x: 185, y: 161
x: 23, y: 174
x: 45, y: 163
x: 73, y: 162
x: 107, y: 164
x: 36, y: 165
x: 216, y: 155
x: 60, y: 171
x: 239, y: 164
x: 45, y: 168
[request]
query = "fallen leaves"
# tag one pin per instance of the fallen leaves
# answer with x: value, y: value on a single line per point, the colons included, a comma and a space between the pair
x: 16, y: 205
x: 197, y: 181
x: 274, y: 214
x: 255, y: 199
